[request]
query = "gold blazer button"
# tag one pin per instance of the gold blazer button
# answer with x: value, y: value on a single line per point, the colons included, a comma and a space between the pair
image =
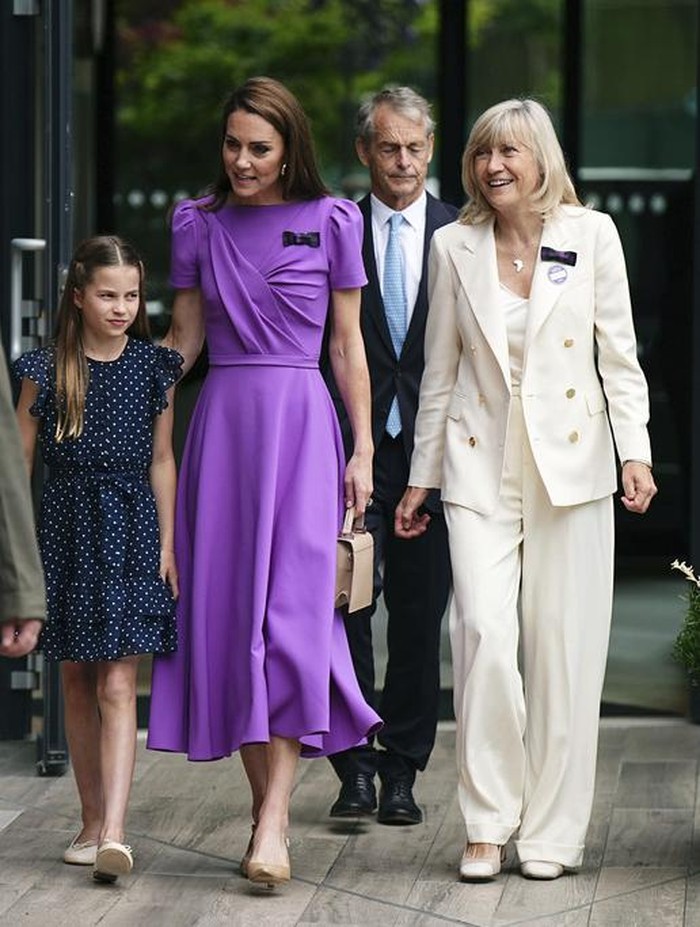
x: 568, y: 342
x: 570, y: 393
x: 573, y: 437
x: 472, y: 441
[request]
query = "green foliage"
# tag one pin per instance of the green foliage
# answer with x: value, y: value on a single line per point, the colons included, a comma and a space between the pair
x: 179, y: 60
x: 686, y: 647
x: 516, y: 51
x: 175, y: 73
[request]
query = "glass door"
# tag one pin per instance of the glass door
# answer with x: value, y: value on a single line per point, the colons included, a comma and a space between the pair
x: 636, y: 162
x: 45, y: 47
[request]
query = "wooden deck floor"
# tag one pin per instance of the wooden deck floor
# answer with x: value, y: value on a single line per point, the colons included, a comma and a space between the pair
x: 189, y: 825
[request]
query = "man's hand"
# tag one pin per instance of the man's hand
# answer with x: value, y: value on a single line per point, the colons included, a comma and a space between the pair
x: 19, y: 636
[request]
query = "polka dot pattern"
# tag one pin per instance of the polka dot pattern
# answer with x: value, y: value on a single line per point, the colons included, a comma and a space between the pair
x: 98, y: 527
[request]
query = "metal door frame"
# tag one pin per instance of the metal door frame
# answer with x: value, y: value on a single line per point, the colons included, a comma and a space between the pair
x: 37, y: 189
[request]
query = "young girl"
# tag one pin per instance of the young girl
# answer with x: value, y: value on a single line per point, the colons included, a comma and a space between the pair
x: 99, y: 400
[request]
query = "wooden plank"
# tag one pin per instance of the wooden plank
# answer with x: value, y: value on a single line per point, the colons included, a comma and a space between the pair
x: 201, y: 889
x: 189, y: 824
x: 617, y: 882
x: 649, y: 837
x: 7, y: 816
x: 460, y: 902
x: 17, y: 757
x: 347, y: 908
x: 530, y: 898
x: 692, y: 903
x: 657, y: 784
x: 647, y: 740
x: 658, y: 906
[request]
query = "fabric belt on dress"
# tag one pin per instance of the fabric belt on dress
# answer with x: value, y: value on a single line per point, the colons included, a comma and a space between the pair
x: 262, y: 360
x: 118, y: 496
x: 138, y: 475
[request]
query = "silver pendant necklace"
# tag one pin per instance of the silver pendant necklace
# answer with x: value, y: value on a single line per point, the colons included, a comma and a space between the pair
x: 518, y: 265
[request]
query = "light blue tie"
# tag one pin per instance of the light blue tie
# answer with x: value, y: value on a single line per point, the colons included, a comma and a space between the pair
x: 394, y: 293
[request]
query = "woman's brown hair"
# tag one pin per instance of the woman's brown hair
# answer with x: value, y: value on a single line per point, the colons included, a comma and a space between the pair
x: 269, y: 99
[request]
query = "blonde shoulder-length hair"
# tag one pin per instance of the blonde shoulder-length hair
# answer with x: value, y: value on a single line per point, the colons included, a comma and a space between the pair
x: 528, y: 122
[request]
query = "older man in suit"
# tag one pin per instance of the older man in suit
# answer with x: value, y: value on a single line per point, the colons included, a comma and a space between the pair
x: 395, y: 142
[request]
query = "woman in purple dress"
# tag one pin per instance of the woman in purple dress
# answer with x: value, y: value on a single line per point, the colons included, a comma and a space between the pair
x: 263, y: 663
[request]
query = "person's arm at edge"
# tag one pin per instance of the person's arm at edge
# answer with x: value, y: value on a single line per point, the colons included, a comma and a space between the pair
x: 22, y: 595
x: 163, y: 478
x: 346, y: 351
x: 624, y: 384
x: 442, y: 353
x: 186, y: 332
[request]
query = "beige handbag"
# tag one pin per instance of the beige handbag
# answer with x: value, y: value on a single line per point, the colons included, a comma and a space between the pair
x: 354, y: 572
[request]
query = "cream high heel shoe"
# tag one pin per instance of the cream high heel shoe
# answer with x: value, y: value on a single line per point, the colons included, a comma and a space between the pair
x: 269, y: 874
x: 484, y: 866
x: 243, y: 867
x: 260, y: 873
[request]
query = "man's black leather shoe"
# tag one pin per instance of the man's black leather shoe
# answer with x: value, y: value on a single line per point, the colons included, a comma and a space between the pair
x: 396, y: 804
x: 357, y: 796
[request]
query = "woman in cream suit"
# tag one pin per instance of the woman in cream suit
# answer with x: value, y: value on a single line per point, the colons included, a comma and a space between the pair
x: 531, y: 375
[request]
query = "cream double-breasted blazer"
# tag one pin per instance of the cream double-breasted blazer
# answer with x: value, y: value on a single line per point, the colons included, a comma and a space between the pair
x: 582, y: 386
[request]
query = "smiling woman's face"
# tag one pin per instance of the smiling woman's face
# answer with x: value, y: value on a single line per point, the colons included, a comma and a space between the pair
x: 507, y: 174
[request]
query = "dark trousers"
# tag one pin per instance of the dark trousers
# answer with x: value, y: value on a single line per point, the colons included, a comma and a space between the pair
x: 415, y: 578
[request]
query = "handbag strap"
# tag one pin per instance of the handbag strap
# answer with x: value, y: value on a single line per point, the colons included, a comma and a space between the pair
x: 352, y: 523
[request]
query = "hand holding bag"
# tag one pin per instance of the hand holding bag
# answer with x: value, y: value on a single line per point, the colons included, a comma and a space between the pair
x: 355, y: 564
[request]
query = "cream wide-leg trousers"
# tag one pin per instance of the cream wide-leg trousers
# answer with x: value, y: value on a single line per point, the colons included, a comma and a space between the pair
x: 526, y: 744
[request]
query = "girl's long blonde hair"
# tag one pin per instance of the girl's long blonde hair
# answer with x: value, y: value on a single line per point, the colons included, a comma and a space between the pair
x: 528, y: 122
x: 72, y: 373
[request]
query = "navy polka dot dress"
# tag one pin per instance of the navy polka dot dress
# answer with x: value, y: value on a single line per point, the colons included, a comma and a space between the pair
x: 98, y: 528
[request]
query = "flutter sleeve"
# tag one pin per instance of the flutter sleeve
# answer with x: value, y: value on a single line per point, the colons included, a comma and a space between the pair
x: 37, y: 366
x: 167, y: 369
x: 345, y: 229
x: 184, y: 250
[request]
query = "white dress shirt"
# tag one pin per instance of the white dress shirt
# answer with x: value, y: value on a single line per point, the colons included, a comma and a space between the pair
x: 411, y: 239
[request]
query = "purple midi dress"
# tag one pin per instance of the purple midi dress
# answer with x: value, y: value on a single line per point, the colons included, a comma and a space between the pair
x: 261, y: 650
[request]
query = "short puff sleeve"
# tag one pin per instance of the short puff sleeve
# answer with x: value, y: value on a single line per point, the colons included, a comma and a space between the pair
x: 345, y: 231
x: 37, y: 366
x: 186, y: 231
x: 167, y: 370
